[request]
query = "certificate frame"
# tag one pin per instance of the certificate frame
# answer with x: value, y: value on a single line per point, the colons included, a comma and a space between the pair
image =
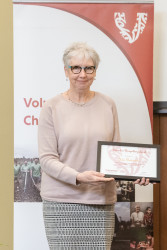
x: 128, y: 161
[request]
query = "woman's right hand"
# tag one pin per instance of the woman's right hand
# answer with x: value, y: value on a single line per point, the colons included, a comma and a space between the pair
x: 92, y: 177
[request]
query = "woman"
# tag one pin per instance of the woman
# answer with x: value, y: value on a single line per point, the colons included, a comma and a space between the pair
x: 148, y: 217
x: 78, y: 202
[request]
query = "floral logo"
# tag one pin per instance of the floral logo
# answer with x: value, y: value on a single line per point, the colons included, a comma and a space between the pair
x: 130, y: 36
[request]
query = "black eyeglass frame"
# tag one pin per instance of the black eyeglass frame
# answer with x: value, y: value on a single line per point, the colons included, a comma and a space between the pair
x: 85, y: 68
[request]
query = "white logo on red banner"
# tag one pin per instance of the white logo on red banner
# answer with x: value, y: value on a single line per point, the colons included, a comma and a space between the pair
x: 130, y: 36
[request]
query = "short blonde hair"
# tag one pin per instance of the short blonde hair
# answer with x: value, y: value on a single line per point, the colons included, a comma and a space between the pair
x: 80, y: 50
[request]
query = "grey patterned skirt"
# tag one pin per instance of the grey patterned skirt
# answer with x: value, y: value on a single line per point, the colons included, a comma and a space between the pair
x: 71, y: 226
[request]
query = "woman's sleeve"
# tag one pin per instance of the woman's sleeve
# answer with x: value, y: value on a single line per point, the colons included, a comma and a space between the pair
x: 116, y: 137
x: 47, y: 148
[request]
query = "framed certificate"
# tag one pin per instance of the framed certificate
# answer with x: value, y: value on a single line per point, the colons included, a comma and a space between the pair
x: 129, y: 161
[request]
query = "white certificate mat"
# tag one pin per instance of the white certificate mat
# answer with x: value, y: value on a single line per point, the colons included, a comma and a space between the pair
x: 129, y: 161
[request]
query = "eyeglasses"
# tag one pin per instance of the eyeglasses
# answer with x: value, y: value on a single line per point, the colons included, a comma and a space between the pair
x: 78, y: 69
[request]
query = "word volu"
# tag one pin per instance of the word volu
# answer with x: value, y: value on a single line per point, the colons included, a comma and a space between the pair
x: 34, y: 103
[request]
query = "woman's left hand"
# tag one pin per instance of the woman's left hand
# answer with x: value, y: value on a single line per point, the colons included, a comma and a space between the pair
x: 142, y: 182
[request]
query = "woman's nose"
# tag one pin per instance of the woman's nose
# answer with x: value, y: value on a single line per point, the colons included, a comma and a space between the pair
x: 82, y: 73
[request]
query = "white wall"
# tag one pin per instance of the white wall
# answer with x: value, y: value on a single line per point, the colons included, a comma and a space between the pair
x: 160, y: 51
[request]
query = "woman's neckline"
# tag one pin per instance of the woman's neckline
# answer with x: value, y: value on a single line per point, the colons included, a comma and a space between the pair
x: 82, y: 105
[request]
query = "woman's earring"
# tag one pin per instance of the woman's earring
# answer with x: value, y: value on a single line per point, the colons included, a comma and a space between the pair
x: 66, y: 79
x: 94, y: 78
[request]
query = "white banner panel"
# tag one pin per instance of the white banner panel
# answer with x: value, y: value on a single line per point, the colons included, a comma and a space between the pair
x: 40, y: 36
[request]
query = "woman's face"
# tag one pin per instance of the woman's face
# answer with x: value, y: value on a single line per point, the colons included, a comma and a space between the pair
x: 149, y: 210
x: 81, y: 81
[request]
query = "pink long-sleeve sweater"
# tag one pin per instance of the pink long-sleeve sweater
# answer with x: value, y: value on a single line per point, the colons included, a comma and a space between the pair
x: 68, y: 134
